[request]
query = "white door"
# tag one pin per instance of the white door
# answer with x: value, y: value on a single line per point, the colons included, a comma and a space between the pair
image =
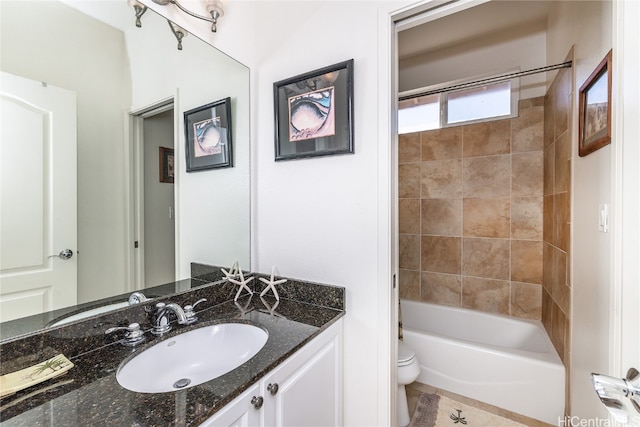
x: 38, y: 197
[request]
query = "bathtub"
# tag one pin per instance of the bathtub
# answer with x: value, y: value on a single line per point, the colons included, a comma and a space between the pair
x: 500, y: 360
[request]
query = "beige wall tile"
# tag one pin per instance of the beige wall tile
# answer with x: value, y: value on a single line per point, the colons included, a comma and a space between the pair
x: 547, y: 267
x: 558, y: 325
x: 526, y: 218
x: 549, y: 102
x: 441, y: 254
x: 441, y: 179
x: 487, y: 217
x: 442, y: 217
x: 527, y: 171
x: 531, y: 102
x: 441, y: 288
x: 487, y: 258
x: 486, y: 139
x: 562, y: 104
x: 409, y: 284
x: 409, y: 148
x: 547, y: 305
x: 487, y: 176
x: 526, y: 261
x: 527, y: 130
x: 560, y: 292
x: 409, y: 180
x: 409, y: 248
x: 442, y: 144
x: 562, y: 163
x: 526, y: 300
x: 487, y: 295
x: 547, y: 225
x: 409, y: 216
x: 549, y: 169
x: 561, y: 217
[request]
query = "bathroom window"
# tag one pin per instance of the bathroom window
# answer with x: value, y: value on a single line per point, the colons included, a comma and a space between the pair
x: 453, y: 108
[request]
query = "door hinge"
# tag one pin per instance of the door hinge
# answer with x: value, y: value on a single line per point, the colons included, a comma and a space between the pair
x: 135, y: 244
x: 394, y: 281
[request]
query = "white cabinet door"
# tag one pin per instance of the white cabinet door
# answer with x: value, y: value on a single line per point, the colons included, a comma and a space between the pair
x: 307, y: 389
x: 239, y: 413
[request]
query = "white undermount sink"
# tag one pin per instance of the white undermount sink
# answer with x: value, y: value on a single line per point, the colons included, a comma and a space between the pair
x: 191, y: 358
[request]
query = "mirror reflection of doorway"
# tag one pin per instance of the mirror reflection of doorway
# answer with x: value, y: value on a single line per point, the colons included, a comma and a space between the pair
x: 155, y: 231
x: 159, y: 207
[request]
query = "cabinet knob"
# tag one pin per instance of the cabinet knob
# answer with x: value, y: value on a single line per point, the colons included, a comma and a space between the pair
x: 257, y: 402
x: 273, y: 389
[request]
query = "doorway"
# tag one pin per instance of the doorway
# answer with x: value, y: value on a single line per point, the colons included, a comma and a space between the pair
x: 599, y: 280
x: 152, y: 186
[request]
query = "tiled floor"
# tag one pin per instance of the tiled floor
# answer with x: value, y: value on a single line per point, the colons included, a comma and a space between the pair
x: 415, y: 389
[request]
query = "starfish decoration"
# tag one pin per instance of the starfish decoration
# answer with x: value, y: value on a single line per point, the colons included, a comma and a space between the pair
x: 233, y: 271
x: 271, y: 284
x: 243, y: 284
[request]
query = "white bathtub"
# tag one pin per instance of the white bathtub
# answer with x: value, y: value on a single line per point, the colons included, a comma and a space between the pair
x: 507, y: 362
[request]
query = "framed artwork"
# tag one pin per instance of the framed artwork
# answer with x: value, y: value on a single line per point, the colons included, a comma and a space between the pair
x: 207, y: 131
x: 594, y: 131
x: 166, y: 165
x: 314, y: 113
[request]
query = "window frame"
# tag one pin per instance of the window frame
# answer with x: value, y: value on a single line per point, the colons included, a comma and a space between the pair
x: 443, y: 99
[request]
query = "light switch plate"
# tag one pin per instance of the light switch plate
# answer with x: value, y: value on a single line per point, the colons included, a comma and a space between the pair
x: 603, y: 218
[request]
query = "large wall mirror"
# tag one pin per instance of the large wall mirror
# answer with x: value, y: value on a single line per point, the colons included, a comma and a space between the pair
x: 130, y: 87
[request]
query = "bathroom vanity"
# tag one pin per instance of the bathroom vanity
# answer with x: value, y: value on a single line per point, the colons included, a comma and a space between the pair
x: 296, y: 376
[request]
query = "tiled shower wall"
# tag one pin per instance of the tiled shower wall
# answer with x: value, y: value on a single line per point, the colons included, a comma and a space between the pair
x: 471, y: 214
x: 556, y: 292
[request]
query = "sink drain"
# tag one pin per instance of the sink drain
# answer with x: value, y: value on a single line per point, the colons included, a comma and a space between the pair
x: 182, y: 383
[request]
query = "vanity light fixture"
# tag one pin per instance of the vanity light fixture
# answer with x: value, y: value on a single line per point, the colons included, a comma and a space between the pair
x: 139, y: 8
x: 213, y: 8
x: 179, y: 32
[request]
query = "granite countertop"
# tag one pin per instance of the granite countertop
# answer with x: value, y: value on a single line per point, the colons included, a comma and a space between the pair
x: 89, y: 393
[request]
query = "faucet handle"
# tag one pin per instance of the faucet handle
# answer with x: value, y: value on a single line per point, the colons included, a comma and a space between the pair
x: 190, y: 313
x: 132, y: 337
x: 137, y: 298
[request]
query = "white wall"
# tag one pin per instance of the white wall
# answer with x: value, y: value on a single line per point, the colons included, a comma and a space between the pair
x: 587, y: 24
x: 515, y: 49
x: 317, y: 219
x: 212, y: 206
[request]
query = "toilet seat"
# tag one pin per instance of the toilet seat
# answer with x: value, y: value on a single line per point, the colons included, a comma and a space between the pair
x: 406, y: 356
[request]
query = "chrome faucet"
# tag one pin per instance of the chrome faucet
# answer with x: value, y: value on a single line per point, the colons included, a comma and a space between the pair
x: 161, y: 323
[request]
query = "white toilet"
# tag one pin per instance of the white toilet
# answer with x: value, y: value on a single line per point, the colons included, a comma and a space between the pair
x: 408, y: 371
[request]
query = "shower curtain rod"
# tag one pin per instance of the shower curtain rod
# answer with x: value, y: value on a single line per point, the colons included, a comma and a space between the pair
x: 482, y: 82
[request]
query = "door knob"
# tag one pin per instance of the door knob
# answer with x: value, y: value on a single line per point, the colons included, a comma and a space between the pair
x: 64, y: 254
x: 612, y: 390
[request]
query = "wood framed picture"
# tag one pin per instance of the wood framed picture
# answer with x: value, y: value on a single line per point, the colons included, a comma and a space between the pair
x: 209, y: 143
x: 166, y: 167
x: 314, y: 113
x: 594, y: 131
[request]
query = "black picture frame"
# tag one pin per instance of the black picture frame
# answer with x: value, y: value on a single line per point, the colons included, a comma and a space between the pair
x: 208, y: 136
x: 166, y: 166
x: 594, y: 123
x: 314, y: 113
